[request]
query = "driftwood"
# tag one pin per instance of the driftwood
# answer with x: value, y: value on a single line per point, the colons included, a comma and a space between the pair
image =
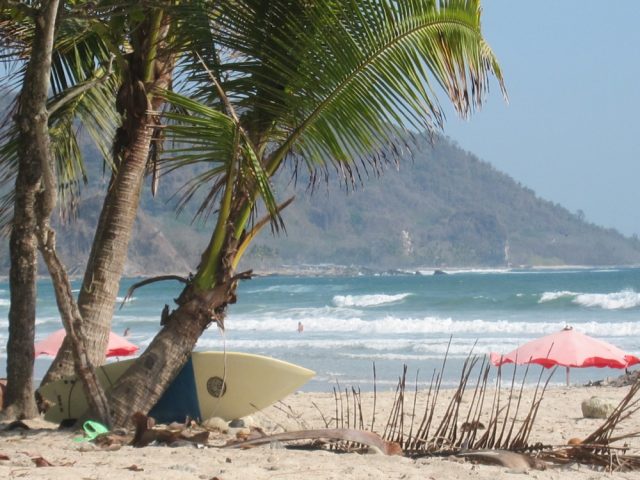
x: 370, y: 439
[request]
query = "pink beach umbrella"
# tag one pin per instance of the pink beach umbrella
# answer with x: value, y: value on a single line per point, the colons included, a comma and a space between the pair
x: 117, y: 347
x: 567, y: 348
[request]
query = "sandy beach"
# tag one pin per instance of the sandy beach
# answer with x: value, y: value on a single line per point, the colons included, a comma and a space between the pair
x: 559, y: 420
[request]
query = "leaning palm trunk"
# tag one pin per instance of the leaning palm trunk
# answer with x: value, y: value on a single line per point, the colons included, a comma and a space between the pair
x: 169, y: 350
x: 106, y: 262
x: 132, y: 145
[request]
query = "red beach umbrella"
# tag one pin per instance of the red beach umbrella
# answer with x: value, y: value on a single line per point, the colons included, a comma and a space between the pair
x: 567, y: 348
x: 117, y: 347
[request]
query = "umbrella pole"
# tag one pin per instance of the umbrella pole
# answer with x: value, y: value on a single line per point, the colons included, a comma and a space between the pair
x: 567, y: 376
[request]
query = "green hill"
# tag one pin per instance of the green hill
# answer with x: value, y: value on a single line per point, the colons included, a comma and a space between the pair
x: 443, y: 207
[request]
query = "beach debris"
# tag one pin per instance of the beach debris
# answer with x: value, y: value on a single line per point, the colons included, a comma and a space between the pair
x: 4, y: 457
x: 41, y: 462
x: 507, y: 427
x: 598, y: 407
x: 472, y: 426
x: 216, y: 424
x: 112, y: 441
x: 626, y: 379
x: 598, y: 449
x: 370, y: 439
x: 505, y: 458
x: 506, y: 419
x: 146, y: 433
x: 134, y: 468
x: 17, y: 425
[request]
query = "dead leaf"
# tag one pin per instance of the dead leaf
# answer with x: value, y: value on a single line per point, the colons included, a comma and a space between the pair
x: 4, y: 457
x: 135, y: 468
x: 41, y: 462
x: 200, y: 437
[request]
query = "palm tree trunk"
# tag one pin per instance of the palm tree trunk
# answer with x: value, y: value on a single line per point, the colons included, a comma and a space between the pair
x: 72, y: 320
x: 109, y: 250
x: 20, y: 400
x: 108, y: 255
x: 33, y: 151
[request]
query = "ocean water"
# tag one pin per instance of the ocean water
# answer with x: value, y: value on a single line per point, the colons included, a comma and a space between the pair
x: 350, y: 323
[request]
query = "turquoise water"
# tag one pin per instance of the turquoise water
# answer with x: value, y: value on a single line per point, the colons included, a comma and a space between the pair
x: 352, y: 322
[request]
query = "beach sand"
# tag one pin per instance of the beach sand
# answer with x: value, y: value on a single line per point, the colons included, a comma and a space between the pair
x: 559, y: 419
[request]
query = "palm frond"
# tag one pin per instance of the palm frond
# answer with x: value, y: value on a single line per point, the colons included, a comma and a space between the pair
x: 81, y: 104
x: 338, y: 82
x: 372, y: 75
x: 198, y: 135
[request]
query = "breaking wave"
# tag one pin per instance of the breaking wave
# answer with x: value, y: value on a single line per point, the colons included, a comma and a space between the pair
x: 367, y: 300
x: 551, y: 296
x: 622, y: 300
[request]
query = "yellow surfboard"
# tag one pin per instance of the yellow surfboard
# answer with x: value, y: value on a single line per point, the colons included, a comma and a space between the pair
x: 211, y: 384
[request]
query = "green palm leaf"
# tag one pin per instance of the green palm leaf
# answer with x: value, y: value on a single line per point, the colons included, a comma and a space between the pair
x: 81, y: 104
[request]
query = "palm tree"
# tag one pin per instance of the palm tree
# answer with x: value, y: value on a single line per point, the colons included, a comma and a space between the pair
x: 33, y: 151
x: 142, y: 61
x: 85, y: 42
x: 147, y: 64
x: 318, y: 84
x: 29, y: 151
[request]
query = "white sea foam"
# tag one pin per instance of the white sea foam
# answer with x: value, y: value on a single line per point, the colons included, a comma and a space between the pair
x: 367, y: 300
x: 296, y: 288
x: 129, y: 300
x: 333, y: 320
x: 49, y: 320
x: 4, y: 302
x: 622, y: 300
x: 551, y: 296
x: 400, y: 356
x: 609, y: 301
x: 127, y: 319
x: 459, y: 345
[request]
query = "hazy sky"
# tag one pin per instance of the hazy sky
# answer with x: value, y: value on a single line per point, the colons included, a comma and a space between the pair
x: 571, y: 130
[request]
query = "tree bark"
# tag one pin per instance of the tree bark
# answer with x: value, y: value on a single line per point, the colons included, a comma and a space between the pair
x: 169, y: 350
x: 32, y: 119
x: 108, y: 255
x: 109, y: 250
x: 72, y: 320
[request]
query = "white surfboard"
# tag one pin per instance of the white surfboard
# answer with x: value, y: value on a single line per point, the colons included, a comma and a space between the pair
x: 211, y: 384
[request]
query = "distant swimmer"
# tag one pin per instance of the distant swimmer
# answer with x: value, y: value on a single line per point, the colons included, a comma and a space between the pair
x: 300, y: 327
x: 126, y: 332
